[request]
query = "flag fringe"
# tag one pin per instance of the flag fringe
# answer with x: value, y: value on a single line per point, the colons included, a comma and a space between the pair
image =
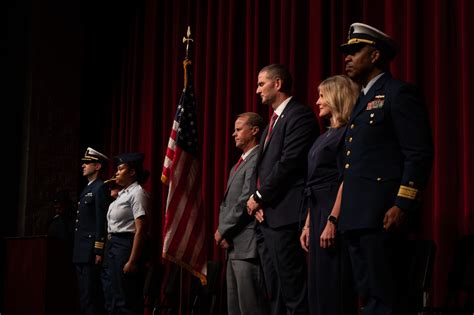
x: 181, y: 263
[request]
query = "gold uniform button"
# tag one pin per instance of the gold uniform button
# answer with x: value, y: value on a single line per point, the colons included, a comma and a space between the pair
x: 352, y: 126
x: 348, y: 152
x: 379, y: 179
x: 372, y: 115
x: 371, y: 122
x: 350, y: 139
x: 347, y: 165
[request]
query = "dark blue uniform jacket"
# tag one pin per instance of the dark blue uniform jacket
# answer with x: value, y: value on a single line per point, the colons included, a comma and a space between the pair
x: 90, y: 228
x: 388, y: 154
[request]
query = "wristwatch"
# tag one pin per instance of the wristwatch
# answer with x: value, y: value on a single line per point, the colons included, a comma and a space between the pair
x: 332, y: 219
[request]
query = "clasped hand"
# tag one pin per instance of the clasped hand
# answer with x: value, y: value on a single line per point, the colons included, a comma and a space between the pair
x: 253, y: 209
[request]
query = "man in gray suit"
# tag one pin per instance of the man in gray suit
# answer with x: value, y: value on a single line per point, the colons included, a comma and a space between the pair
x: 236, y: 231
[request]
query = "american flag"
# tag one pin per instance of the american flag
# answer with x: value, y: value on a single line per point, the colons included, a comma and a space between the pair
x: 184, y: 228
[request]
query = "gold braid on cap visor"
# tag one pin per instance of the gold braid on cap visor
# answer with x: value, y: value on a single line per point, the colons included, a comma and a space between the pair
x: 360, y: 40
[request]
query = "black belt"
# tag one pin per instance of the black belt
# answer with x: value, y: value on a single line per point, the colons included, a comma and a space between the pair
x: 121, y: 235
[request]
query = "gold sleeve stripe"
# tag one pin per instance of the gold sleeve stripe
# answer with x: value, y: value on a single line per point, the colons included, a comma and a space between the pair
x: 99, y: 245
x: 407, y: 192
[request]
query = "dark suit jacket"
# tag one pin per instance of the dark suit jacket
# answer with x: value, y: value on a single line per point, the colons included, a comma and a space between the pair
x: 235, y: 225
x: 389, y: 153
x: 283, y: 163
x: 89, y: 232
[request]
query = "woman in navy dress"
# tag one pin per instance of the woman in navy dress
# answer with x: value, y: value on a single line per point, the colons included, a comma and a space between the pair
x: 328, y: 291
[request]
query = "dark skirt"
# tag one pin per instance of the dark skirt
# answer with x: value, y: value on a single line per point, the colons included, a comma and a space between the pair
x: 329, y: 276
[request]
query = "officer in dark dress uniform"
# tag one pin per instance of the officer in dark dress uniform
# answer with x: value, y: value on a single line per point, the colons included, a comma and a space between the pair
x: 389, y: 153
x: 89, y: 234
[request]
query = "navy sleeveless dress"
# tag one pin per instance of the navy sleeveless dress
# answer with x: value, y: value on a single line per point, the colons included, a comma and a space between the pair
x: 329, y: 278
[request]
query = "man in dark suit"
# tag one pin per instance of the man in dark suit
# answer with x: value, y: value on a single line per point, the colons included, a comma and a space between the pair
x: 276, y: 203
x: 89, y: 234
x: 236, y: 231
x: 388, y: 157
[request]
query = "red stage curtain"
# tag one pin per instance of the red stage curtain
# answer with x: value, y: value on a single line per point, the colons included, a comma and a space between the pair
x: 233, y: 39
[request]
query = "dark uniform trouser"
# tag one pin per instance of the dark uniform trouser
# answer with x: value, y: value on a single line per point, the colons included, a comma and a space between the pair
x: 284, y: 267
x: 106, y: 280
x: 376, y: 257
x: 127, y: 289
x: 90, y: 290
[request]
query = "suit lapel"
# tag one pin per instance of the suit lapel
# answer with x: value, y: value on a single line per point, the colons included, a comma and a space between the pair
x: 85, y: 191
x: 263, y: 137
x: 240, y: 169
x: 89, y: 188
x: 278, y: 124
x: 233, y: 173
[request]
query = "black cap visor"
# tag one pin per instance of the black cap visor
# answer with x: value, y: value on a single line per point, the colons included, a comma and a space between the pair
x: 351, y: 49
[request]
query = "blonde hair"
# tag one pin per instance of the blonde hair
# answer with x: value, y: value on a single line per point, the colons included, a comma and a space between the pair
x: 340, y: 94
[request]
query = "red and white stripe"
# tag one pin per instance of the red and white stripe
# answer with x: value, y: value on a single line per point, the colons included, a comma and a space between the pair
x: 184, y: 229
x: 170, y: 152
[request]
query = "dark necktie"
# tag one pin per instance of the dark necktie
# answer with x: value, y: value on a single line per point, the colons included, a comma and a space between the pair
x: 270, y: 127
x: 233, y: 170
x: 238, y: 163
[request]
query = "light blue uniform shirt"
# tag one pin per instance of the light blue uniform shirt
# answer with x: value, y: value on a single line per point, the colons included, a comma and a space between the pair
x: 130, y: 204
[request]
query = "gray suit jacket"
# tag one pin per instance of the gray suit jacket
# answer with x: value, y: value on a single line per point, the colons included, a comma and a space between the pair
x: 235, y: 225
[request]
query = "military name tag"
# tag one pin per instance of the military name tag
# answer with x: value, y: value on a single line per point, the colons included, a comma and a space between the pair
x: 376, y: 103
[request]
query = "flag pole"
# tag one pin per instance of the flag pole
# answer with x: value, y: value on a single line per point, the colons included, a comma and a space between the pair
x: 184, y: 202
x: 180, y: 290
x: 186, y: 40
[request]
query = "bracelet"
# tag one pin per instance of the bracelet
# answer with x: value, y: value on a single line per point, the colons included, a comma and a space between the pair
x: 305, y: 227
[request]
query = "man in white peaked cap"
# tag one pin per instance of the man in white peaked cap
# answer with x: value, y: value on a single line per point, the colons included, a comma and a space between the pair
x: 89, y: 233
x: 388, y: 154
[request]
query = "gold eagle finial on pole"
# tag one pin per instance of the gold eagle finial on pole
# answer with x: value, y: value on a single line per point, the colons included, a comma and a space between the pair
x: 187, y: 40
